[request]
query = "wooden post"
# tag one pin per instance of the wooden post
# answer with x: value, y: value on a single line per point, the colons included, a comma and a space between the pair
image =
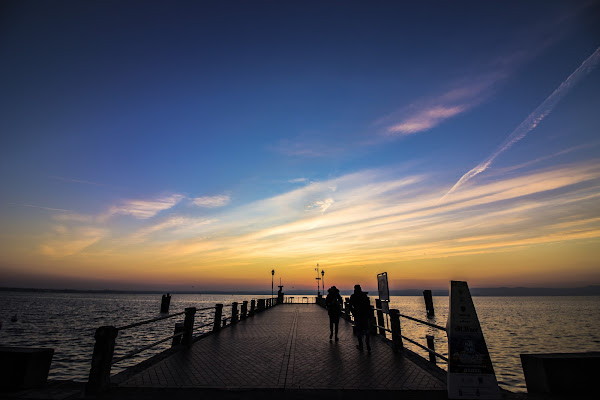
x: 188, y: 326
x: 244, y: 309
x: 261, y: 305
x: 372, y: 322
x: 165, y: 303
x: 234, y: 312
x: 104, y: 348
x: 397, y: 344
x: 380, y: 319
x: 431, y: 346
x: 429, y: 303
x: 178, y: 329
x: 252, y: 307
x: 218, y: 316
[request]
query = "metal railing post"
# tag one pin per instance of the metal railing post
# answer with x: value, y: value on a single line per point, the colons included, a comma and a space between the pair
x: 380, y: 320
x: 397, y: 344
x: 218, y: 316
x: 431, y: 346
x: 104, y: 348
x: 188, y: 326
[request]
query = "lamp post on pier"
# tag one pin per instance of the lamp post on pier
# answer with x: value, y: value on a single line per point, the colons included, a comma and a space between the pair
x: 318, y: 283
x: 323, y: 281
x: 272, y: 274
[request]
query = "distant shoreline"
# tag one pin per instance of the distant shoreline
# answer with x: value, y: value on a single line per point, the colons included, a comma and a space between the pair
x: 490, y: 292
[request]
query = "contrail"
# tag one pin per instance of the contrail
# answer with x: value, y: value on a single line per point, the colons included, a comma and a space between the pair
x: 534, y: 118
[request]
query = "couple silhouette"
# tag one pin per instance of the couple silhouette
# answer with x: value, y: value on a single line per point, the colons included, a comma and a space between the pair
x: 360, y: 306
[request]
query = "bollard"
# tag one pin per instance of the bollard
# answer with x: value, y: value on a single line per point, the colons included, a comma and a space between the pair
x: 188, y: 326
x: 165, y: 303
x: 224, y: 322
x: 429, y: 303
x: 261, y: 305
x: 380, y: 320
x: 252, y: 307
x: 397, y: 344
x: 218, y: 316
x: 372, y: 322
x: 178, y: 329
x: 234, y: 312
x: 431, y: 346
x: 347, y: 308
x: 244, y: 309
x: 104, y: 348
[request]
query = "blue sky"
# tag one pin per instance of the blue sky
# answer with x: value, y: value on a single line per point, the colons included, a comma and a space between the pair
x: 121, y: 120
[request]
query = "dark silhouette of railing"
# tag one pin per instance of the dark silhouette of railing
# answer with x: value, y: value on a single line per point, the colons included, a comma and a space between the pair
x: 378, y: 327
x: 183, y: 335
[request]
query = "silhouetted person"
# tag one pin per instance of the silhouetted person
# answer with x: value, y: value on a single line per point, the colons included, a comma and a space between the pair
x: 361, y: 309
x: 333, y: 303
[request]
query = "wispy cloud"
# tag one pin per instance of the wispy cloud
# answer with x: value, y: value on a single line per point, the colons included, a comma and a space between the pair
x: 535, y: 118
x: 212, y: 201
x: 72, y: 180
x: 298, y: 180
x: 144, y: 209
x: 427, y: 113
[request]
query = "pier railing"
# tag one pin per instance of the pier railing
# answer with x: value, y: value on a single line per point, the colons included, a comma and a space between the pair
x: 377, y: 327
x: 184, y: 334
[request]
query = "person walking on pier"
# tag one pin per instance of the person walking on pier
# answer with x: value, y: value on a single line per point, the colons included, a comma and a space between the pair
x: 333, y: 303
x: 360, y: 307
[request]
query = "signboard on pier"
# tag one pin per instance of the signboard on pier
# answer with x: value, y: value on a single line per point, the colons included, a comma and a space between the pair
x: 384, y: 292
x: 470, y: 371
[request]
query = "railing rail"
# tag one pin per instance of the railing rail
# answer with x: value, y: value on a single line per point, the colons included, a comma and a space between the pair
x: 396, y: 330
x: 102, y: 359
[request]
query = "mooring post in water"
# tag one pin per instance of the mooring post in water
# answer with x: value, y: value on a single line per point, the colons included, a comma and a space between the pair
x: 165, y: 303
x: 252, y: 307
x: 218, y: 316
x: 397, y: 344
x: 188, y: 326
x: 234, y: 312
x: 178, y: 329
x: 429, y: 303
x: 244, y: 309
x: 104, y: 348
x: 431, y: 346
x: 380, y: 320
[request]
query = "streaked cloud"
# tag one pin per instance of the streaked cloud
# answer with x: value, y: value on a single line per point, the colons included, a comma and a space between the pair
x: 144, y: 209
x: 534, y: 119
x: 298, y: 180
x: 212, y: 201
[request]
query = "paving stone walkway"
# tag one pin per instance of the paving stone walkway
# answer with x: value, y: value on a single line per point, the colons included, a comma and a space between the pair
x: 286, y: 347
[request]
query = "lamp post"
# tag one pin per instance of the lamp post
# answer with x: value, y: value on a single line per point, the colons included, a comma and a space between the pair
x: 272, y: 274
x: 318, y: 283
x: 323, y: 281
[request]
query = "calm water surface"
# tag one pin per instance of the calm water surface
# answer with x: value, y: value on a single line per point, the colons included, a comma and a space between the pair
x: 511, y: 325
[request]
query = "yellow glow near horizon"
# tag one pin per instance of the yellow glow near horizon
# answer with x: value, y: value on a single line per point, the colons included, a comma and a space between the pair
x: 540, y: 228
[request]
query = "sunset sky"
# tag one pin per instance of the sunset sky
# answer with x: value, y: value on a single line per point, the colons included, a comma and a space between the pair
x: 198, y: 145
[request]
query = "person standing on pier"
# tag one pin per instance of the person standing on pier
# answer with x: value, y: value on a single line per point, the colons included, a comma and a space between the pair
x: 360, y: 307
x: 333, y: 303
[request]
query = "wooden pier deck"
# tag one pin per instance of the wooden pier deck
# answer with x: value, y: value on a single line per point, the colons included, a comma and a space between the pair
x: 284, y: 349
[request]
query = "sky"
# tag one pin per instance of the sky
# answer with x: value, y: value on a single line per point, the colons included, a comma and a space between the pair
x: 199, y: 145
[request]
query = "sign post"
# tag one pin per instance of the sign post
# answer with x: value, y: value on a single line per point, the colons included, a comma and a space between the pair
x: 470, y: 371
x: 384, y: 292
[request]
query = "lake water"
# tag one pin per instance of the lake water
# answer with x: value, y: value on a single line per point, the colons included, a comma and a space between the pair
x: 67, y: 321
